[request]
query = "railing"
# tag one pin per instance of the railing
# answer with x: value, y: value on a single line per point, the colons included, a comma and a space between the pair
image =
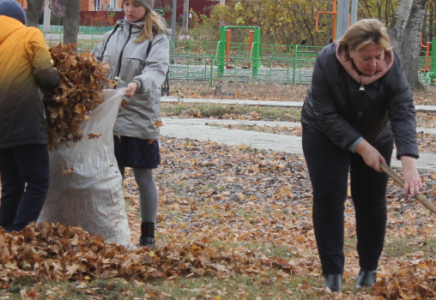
x: 280, y: 70
x: 198, y: 60
x: 82, y: 29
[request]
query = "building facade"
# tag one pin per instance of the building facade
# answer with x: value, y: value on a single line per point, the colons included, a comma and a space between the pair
x: 199, y: 6
x: 99, y: 5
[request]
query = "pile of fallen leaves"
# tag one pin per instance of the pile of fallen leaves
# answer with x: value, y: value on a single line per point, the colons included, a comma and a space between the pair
x: 80, y: 92
x: 59, y: 252
x: 414, y: 279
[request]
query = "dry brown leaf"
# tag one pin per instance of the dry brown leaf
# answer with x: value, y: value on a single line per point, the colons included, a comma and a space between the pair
x: 79, y: 93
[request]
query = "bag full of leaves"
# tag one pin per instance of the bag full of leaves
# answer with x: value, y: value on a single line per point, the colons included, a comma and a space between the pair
x: 85, y: 182
x: 80, y: 92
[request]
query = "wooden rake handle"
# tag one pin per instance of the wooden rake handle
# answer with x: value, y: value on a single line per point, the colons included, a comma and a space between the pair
x: 420, y: 197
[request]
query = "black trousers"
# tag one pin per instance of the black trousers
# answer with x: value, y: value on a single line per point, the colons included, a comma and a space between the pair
x: 328, y: 167
x: 25, y: 179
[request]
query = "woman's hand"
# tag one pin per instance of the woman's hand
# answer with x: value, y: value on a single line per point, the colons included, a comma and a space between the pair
x: 370, y: 155
x: 411, y: 177
x: 131, y: 89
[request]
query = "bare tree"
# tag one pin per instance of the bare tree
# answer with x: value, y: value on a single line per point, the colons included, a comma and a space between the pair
x: 399, y: 24
x: 412, y: 37
x: 72, y: 21
x: 34, y: 12
x: 185, y: 15
x: 405, y: 34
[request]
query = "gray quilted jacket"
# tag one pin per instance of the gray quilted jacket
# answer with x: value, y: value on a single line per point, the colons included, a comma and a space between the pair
x: 129, y: 61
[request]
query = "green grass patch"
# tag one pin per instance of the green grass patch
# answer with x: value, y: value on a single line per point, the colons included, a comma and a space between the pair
x: 272, y: 285
x: 410, y: 247
x: 203, y: 110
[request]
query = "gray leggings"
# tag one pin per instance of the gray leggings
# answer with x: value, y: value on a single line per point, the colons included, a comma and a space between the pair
x: 148, y: 195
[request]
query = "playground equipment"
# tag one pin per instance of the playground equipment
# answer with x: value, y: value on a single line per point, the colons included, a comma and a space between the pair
x: 430, y: 76
x: 351, y: 18
x: 223, y: 49
x: 334, y: 12
x: 160, y: 12
x: 250, y: 46
x: 430, y: 60
x: 427, y: 56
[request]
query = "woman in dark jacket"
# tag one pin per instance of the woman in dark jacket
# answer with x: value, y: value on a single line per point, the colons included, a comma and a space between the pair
x: 358, y: 103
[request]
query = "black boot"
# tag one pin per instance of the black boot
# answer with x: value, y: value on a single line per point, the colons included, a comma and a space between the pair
x: 333, y: 282
x: 366, y: 279
x: 147, y: 235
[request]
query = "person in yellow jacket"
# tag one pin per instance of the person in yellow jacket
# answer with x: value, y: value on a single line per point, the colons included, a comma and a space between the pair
x: 25, y: 67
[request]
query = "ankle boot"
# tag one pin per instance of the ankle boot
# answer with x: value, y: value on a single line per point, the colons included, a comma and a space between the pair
x: 366, y: 279
x: 333, y: 282
x: 147, y: 235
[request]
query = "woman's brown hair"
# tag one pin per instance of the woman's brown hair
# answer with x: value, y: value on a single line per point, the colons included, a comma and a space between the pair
x: 363, y: 33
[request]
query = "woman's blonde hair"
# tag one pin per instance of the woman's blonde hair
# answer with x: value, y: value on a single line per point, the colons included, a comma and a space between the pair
x: 152, y: 21
x: 363, y: 33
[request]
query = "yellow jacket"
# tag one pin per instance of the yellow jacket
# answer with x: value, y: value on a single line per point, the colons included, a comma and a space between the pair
x: 25, y: 65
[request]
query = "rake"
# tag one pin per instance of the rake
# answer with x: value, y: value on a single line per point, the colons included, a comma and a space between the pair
x: 420, y: 197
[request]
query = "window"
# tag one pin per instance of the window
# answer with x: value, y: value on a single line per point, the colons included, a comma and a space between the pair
x: 114, y: 4
x: 97, y: 5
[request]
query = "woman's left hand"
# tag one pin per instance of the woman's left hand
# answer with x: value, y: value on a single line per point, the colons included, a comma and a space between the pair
x: 411, y: 177
x: 131, y: 89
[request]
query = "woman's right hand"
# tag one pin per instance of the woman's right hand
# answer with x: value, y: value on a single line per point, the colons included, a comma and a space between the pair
x: 370, y: 155
x: 131, y: 89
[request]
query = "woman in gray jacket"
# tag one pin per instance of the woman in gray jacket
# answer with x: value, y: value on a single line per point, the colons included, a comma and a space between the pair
x: 138, y: 52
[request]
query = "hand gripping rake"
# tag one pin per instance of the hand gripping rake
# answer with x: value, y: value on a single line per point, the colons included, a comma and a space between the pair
x: 420, y: 197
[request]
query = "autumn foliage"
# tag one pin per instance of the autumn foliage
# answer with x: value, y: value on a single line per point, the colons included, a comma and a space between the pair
x: 80, y: 92
x: 98, y: 19
x: 221, y: 218
x: 288, y: 22
x: 58, y: 252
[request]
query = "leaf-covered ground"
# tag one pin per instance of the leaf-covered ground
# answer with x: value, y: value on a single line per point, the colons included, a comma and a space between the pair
x: 233, y: 223
x: 263, y: 91
x: 227, y: 212
x: 426, y: 141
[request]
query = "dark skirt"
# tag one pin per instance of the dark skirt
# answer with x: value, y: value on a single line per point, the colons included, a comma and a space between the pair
x: 136, y: 153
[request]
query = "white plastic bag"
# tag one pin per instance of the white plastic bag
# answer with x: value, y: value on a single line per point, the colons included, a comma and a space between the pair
x: 85, y: 183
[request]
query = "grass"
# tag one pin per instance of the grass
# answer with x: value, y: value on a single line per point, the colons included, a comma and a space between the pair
x: 250, y: 286
x: 409, y: 245
x: 209, y: 110
x: 276, y: 285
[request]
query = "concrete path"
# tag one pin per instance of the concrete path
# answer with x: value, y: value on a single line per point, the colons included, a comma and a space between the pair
x: 197, y: 129
x: 227, y: 122
x: 264, y: 103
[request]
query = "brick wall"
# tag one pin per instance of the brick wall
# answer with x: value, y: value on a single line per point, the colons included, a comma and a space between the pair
x: 86, y: 5
x: 23, y: 3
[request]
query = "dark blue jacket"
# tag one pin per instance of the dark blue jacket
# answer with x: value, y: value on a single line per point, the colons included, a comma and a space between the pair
x: 336, y: 107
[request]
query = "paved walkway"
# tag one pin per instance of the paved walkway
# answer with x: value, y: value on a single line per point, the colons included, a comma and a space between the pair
x: 201, y: 129
x: 264, y: 103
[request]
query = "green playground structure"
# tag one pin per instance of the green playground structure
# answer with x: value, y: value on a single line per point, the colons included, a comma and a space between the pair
x: 429, y: 65
x: 223, y: 48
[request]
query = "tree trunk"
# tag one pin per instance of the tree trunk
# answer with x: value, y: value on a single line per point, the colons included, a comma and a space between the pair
x: 185, y: 15
x: 399, y: 23
x: 412, y: 37
x: 72, y: 21
x: 34, y: 12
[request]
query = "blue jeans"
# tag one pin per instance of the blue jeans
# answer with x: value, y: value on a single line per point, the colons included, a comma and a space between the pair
x: 25, y: 180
